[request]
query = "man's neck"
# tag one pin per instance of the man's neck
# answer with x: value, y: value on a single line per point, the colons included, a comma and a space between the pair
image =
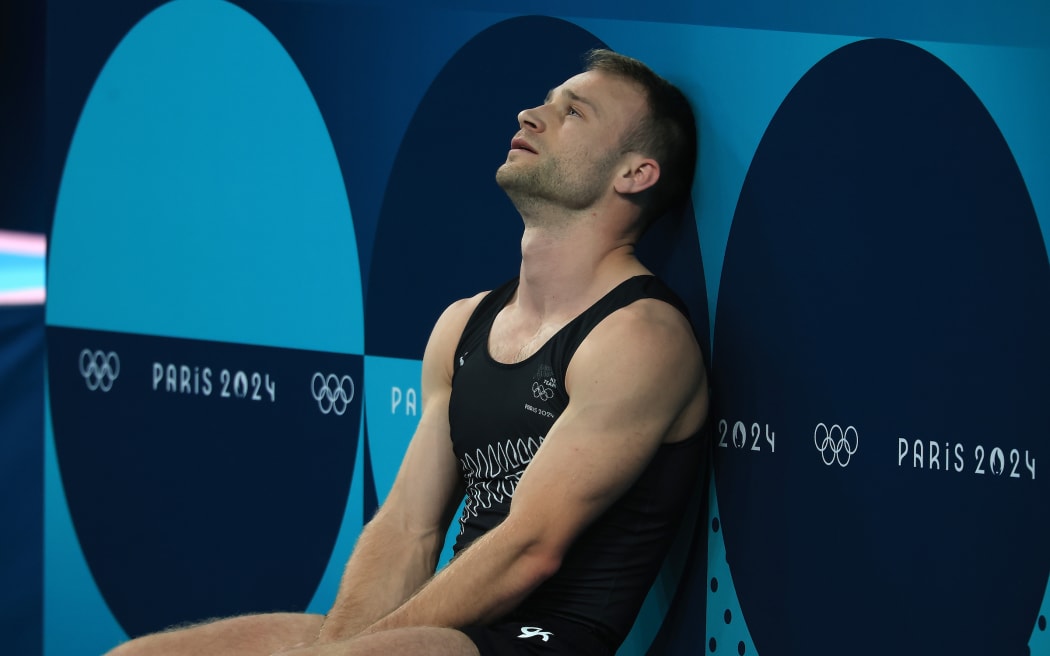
x: 566, y: 268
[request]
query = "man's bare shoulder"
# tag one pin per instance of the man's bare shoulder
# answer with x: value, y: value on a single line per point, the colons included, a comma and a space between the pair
x: 644, y: 358
x: 468, y: 304
x: 448, y: 329
x: 648, y: 337
x: 650, y: 325
x: 458, y: 312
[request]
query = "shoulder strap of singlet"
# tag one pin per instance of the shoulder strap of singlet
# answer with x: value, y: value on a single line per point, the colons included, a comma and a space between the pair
x: 565, y: 343
x: 477, y: 328
x: 627, y: 292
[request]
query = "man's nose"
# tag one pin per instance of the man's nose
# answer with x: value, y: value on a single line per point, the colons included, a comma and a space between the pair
x: 531, y: 119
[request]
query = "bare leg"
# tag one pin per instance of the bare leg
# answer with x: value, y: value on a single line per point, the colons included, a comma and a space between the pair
x: 248, y: 635
x: 416, y: 641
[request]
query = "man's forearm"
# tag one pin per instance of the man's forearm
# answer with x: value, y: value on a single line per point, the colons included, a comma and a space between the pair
x: 482, y: 584
x: 386, y: 567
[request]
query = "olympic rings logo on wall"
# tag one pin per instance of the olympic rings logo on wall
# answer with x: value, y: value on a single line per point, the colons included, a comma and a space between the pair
x: 836, y: 444
x: 99, y: 369
x: 333, y: 393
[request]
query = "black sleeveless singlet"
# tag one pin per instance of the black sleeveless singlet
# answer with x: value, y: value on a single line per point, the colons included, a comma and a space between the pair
x: 499, y: 416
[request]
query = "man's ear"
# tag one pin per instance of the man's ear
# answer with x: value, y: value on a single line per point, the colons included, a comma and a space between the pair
x: 639, y: 174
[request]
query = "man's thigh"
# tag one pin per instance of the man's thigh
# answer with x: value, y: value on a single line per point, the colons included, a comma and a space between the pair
x: 412, y: 641
x: 247, y: 635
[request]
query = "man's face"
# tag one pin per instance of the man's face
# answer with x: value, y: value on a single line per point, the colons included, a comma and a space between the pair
x: 567, y: 149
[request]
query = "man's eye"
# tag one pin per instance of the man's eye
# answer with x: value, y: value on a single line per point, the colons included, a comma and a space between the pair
x: 573, y: 112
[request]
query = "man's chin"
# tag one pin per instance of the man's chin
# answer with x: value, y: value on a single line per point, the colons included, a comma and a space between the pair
x: 509, y: 180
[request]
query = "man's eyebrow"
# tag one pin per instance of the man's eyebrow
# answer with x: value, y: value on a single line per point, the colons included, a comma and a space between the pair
x: 573, y: 96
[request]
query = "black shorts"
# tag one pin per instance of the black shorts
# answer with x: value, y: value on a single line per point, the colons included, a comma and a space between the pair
x: 523, y: 636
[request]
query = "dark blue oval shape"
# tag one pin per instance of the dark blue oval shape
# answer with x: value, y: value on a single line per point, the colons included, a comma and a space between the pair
x: 885, y: 273
x: 446, y: 230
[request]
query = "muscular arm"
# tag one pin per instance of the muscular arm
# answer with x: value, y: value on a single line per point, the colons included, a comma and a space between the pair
x: 398, y: 550
x: 636, y: 382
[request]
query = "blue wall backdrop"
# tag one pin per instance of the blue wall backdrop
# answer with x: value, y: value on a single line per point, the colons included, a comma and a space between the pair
x: 257, y: 209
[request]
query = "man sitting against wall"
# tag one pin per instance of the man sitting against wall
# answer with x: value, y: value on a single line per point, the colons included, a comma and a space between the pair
x: 567, y: 405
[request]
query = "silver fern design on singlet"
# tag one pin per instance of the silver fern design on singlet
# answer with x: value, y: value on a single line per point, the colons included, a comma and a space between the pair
x: 493, y: 474
x: 543, y: 371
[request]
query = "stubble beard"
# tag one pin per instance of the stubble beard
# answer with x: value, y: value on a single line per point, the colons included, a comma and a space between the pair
x: 548, y: 184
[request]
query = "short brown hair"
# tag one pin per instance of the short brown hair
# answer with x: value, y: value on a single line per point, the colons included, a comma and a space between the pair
x: 668, y: 133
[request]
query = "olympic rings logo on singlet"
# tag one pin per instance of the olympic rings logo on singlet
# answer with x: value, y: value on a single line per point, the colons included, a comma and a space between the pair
x: 542, y: 393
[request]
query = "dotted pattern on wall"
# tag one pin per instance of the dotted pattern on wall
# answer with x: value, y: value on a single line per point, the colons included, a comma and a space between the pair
x: 1040, y: 641
x: 727, y: 632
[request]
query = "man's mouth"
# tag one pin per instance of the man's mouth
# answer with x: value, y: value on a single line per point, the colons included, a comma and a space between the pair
x: 519, y: 143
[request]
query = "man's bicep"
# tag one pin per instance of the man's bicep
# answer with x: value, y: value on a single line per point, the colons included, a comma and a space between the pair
x: 428, y: 486
x: 624, y: 403
x: 579, y: 472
